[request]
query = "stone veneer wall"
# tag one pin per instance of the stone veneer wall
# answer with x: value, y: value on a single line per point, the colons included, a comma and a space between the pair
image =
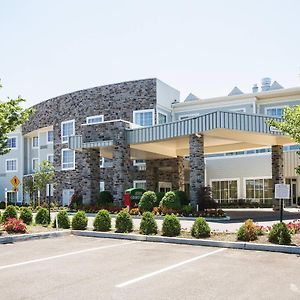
x: 277, y: 168
x: 197, y: 167
x: 116, y: 101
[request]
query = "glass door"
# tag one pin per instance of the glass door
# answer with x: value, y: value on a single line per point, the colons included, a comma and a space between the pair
x: 293, y: 198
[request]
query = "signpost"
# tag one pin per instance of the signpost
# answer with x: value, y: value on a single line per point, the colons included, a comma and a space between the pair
x: 15, y: 182
x: 282, y: 191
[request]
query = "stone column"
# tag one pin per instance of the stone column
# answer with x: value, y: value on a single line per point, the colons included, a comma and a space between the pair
x: 178, y: 174
x: 152, y: 175
x: 277, y: 169
x: 197, y: 167
x: 122, y: 177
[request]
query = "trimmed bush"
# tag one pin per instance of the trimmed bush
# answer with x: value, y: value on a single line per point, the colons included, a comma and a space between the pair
x: 79, y: 220
x: 13, y: 225
x: 169, y: 203
x: 171, y: 226
x: 123, y: 222
x: 63, y: 220
x: 102, y: 221
x: 147, y: 201
x: 10, y: 212
x: 200, y: 228
x: 279, y: 234
x: 42, y: 217
x: 159, y: 196
x: 148, y: 224
x: 104, y: 198
x: 247, y: 231
x: 187, y: 210
x: 26, y: 215
x: 182, y: 197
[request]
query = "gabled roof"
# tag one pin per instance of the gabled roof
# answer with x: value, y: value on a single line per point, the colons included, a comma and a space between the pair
x: 191, y: 97
x: 235, y: 91
x: 276, y: 86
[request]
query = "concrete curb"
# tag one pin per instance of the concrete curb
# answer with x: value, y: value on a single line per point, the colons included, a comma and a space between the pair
x: 194, y: 242
x: 33, y: 236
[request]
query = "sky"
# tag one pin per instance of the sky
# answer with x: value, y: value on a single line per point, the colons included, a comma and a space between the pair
x: 50, y: 48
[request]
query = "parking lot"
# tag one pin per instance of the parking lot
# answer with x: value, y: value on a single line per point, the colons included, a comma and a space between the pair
x: 75, y: 267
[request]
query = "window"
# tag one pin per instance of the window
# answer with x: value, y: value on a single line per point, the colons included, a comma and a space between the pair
x: 94, y: 119
x: 102, y: 161
x: 139, y: 162
x: 67, y: 129
x: 161, y: 118
x: 139, y: 184
x: 50, y: 158
x: 67, y: 159
x: 35, y: 142
x: 12, y: 197
x: 11, y: 165
x: 35, y: 164
x: 49, y: 187
x: 224, y: 189
x: 102, y: 186
x: 144, y: 117
x: 50, y: 136
x: 274, y: 111
x: 12, y: 143
x: 259, y: 189
x: 164, y: 187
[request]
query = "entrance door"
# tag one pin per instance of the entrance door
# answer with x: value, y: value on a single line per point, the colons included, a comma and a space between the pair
x: 67, y: 194
x: 293, y: 183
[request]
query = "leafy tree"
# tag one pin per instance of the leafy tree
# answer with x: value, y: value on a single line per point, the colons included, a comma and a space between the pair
x: 30, y: 188
x: 290, y: 125
x: 12, y: 115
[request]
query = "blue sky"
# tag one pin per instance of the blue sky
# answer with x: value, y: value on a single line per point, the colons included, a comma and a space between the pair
x: 49, y: 48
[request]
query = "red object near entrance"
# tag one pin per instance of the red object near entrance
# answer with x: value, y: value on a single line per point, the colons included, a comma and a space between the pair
x: 126, y: 199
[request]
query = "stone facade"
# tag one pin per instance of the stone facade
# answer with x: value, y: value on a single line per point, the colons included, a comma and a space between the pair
x: 197, y: 167
x: 277, y: 167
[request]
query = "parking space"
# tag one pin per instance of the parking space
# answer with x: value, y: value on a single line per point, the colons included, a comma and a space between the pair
x: 90, y: 268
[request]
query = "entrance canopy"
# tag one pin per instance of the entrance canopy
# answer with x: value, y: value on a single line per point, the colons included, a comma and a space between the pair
x: 223, y: 132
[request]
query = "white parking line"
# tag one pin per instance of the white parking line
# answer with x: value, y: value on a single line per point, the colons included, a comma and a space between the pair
x: 64, y: 255
x: 168, y: 268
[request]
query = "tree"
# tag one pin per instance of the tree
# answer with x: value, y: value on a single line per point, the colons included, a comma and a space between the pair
x: 12, y: 115
x: 290, y: 125
x: 30, y: 188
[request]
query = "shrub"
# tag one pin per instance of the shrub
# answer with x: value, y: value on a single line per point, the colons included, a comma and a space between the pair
x: 159, y: 196
x: 183, y: 197
x: 102, y: 221
x: 76, y: 200
x: 206, y: 199
x: 187, y: 210
x: 171, y: 226
x: 169, y: 203
x: 63, y: 220
x: 124, y: 222
x: 134, y: 211
x: 147, y: 201
x: 42, y: 217
x: 79, y: 220
x: 247, y: 231
x: 26, y: 215
x: 10, y: 212
x: 14, y: 225
x: 200, y: 228
x: 148, y: 224
x: 104, y: 198
x: 279, y: 234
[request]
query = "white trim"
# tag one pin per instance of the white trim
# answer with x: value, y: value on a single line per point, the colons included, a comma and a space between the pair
x: 47, y: 132
x: 157, y: 117
x: 139, y: 164
x: 51, y: 190
x: 188, y: 116
x: 13, y: 137
x: 11, y: 171
x: 273, y: 107
x: 241, y: 109
x: 62, y: 163
x: 93, y: 117
x: 35, y: 158
x: 143, y: 111
x: 11, y: 191
x: 238, y: 155
x: 101, y: 183
x: 138, y: 181
x: 38, y: 139
x: 237, y: 179
x: 61, y: 130
x: 102, y: 162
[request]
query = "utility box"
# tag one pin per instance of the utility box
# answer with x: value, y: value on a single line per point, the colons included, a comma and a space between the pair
x: 132, y: 196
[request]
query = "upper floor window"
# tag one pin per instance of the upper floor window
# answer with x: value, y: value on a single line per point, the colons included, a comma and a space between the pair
x: 12, y: 143
x: 161, y: 118
x: 67, y: 129
x: 67, y: 159
x: 35, y: 164
x: 101, y: 162
x: 35, y: 142
x: 11, y: 165
x: 274, y: 111
x: 144, y: 117
x: 94, y: 119
x: 50, y: 158
x: 50, y: 136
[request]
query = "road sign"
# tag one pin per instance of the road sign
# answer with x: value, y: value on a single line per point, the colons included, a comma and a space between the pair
x: 15, y: 189
x: 282, y: 191
x: 15, y: 181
